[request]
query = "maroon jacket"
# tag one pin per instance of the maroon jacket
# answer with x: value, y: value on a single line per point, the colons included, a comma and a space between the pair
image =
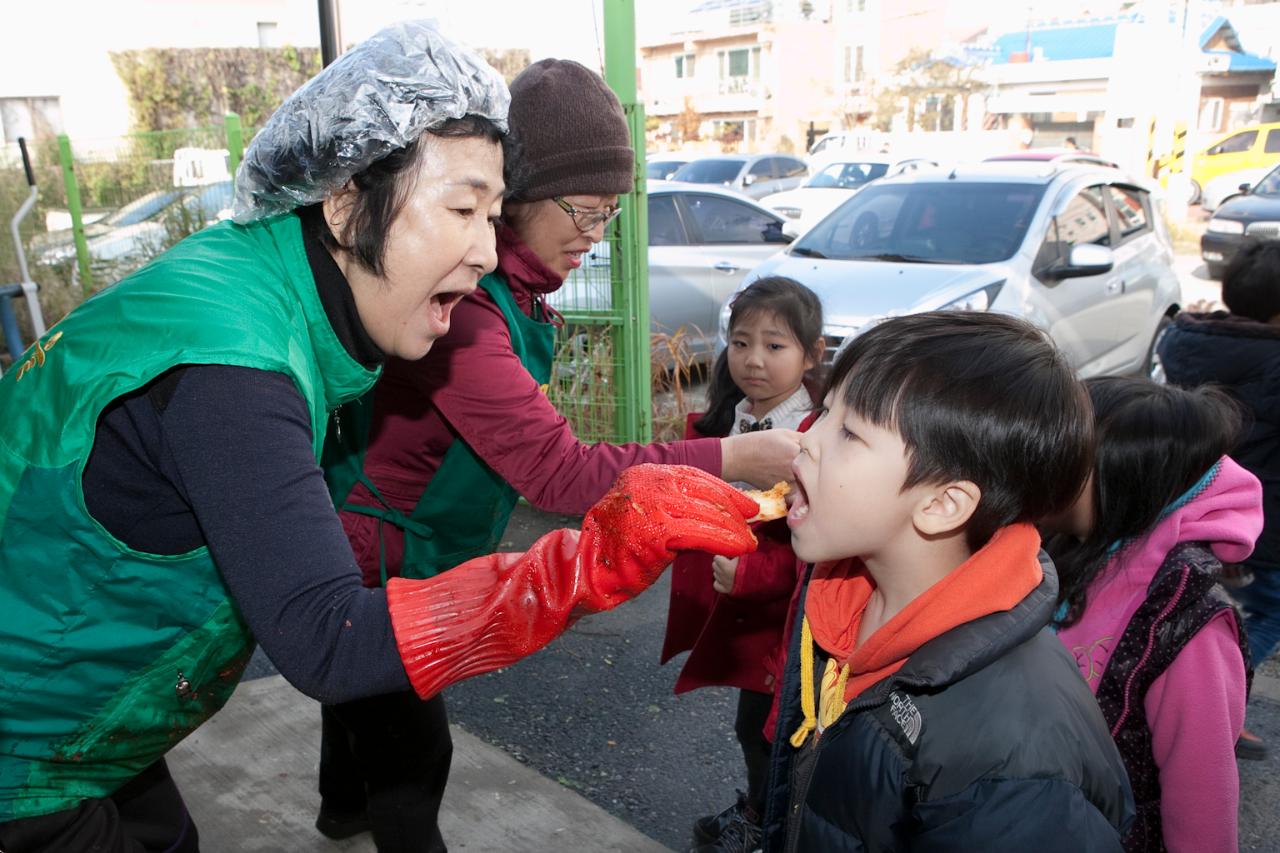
x: 471, y: 386
x: 736, y: 640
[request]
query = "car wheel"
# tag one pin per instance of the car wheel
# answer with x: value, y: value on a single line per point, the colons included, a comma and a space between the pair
x: 1214, y: 270
x: 1194, y: 198
x: 1155, y: 367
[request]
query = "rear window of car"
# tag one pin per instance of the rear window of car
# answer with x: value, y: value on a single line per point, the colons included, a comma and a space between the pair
x: 949, y: 222
x: 713, y: 171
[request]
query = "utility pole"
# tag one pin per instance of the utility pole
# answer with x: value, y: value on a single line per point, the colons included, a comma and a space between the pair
x: 630, y: 258
x: 330, y: 31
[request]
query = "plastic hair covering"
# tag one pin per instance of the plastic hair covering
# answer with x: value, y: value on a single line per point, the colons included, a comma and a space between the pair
x: 378, y: 97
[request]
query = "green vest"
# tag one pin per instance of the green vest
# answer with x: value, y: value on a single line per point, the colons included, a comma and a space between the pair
x: 110, y: 656
x: 465, y: 509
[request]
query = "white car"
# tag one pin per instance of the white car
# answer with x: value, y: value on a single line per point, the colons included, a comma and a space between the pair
x: 1224, y: 187
x: 831, y: 186
x: 702, y: 242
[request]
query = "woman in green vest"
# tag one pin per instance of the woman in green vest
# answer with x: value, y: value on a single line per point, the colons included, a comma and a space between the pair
x: 454, y: 439
x: 161, y: 502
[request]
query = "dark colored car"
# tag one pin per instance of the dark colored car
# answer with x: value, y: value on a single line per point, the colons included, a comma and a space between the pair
x: 1253, y: 215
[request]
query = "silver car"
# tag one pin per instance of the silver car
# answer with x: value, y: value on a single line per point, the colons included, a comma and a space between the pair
x: 754, y: 175
x: 702, y: 241
x: 1079, y: 250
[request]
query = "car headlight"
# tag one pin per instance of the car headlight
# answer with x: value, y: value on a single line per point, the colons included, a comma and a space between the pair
x: 789, y: 212
x: 978, y: 300
x: 1225, y: 226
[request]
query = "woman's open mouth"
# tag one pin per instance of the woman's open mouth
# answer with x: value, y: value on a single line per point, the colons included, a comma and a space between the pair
x: 440, y: 307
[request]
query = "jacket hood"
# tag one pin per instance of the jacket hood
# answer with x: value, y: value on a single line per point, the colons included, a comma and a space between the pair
x: 972, y: 646
x: 1223, y: 511
x: 1224, y: 349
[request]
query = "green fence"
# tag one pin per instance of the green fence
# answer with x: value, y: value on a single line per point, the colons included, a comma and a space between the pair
x: 601, y: 378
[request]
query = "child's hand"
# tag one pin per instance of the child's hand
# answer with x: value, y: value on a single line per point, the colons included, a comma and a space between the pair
x: 723, y: 571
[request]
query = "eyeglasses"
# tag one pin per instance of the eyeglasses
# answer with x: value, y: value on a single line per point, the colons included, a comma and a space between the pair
x: 587, y: 220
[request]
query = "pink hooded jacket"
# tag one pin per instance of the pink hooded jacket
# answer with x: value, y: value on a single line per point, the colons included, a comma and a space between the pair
x: 1196, y: 707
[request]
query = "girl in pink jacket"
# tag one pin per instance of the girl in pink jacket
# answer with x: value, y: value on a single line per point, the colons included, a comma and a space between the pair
x: 1139, y: 557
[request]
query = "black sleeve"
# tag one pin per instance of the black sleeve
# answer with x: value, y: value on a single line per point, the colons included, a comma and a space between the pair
x: 239, y: 443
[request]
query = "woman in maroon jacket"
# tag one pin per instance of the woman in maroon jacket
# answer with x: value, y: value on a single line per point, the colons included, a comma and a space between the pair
x: 434, y: 463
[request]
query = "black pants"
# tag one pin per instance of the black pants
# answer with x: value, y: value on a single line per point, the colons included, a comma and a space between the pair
x: 388, y: 756
x: 753, y: 710
x: 146, y: 815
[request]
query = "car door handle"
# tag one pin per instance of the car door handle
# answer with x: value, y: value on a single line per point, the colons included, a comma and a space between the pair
x: 1115, y: 285
x: 725, y: 266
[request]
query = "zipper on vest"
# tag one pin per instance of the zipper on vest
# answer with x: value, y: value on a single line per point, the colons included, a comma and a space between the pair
x: 337, y: 424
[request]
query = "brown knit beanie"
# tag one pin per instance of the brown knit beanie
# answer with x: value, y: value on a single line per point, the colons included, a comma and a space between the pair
x: 571, y: 132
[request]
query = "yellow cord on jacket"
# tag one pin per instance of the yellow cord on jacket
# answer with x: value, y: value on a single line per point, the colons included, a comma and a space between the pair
x: 833, y: 703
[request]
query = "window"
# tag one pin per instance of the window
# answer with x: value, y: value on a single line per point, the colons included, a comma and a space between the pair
x: 664, y: 222
x: 848, y: 65
x: 789, y: 168
x: 1236, y: 143
x: 857, y: 65
x: 684, y: 66
x: 723, y: 220
x: 739, y: 63
x: 33, y: 118
x: 1273, y: 142
x: 267, y: 34
x: 1131, y: 209
x: 763, y: 169
x: 1084, y: 220
x: 933, y: 221
x: 1211, y: 114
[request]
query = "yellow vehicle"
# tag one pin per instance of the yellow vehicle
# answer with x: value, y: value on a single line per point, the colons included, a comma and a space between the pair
x: 1254, y: 147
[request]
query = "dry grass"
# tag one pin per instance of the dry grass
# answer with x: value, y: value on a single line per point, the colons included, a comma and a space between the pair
x: 673, y: 370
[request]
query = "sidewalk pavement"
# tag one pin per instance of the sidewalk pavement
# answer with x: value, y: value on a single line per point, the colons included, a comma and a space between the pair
x: 249, y: 780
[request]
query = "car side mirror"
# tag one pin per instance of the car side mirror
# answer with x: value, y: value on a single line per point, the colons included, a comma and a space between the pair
x: 1245, y: 187
x: 1085, y: 260
x: 749, y: 180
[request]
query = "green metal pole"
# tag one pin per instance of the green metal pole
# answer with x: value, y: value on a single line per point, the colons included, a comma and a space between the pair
x: 235, y: 142
x: 630, y: 263
x: 77, y: 214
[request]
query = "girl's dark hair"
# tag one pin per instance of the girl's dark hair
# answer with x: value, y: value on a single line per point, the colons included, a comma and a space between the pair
x: 793, y: 303
x: 383, y: 188
x: 1152, y: 443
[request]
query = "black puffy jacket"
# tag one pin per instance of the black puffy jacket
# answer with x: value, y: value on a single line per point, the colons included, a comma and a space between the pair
x: 1243, y: 357
x: 987, y: 739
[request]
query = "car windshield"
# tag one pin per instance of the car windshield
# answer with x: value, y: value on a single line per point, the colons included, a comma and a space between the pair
x: 937, y: 222
x: 660, y: 170
x: 848, y: 176
x: 713, y: 171
x: 1269, y: 185
x: 141, y: 209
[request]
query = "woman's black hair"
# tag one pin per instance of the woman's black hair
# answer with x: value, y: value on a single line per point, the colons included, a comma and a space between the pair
x: 383, y: 188
x: 795, y: 305
x: 1152, y: 443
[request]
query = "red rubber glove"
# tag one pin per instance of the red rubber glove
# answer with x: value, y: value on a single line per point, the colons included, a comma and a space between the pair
x: 492, y: 611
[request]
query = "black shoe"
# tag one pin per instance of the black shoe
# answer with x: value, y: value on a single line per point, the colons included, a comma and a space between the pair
x: 742, y: 835
x: 709, y: 828
x: 339, y: 825
x: 1251, y: 747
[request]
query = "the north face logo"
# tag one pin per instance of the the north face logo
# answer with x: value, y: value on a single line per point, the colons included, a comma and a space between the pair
x: 906, y: 714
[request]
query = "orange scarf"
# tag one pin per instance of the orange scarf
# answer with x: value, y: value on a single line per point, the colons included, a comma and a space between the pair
x: 994, y: 579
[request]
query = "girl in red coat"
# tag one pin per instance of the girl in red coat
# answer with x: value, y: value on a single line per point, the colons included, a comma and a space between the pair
x: 731, y: 612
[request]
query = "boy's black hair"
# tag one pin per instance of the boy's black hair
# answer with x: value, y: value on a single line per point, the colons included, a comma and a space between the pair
x: 1153, y: 443
x: 1251, y: 282
x: 383, y: 188
x: 974, y: 396
x: 793, y: 303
